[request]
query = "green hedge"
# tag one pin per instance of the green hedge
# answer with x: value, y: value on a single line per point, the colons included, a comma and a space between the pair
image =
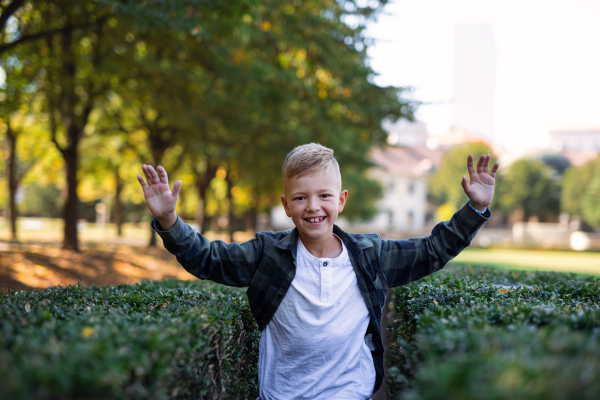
x: 475, y: 333
x: 169, y: 340
x: 463, y: 333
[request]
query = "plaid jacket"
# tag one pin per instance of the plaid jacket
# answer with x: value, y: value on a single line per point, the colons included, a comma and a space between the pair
x: 266, y: 264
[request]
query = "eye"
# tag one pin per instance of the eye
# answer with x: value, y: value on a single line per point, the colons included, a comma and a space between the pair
x: 299, y: 198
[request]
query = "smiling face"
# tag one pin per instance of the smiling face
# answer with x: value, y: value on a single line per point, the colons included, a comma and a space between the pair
x: 313, y: 202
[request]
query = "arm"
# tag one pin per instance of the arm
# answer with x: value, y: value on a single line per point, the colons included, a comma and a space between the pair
x: 230, y: 264
x: 405, y: 261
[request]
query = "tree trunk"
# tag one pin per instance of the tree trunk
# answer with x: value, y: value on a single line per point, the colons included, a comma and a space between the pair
x: 13, y: 183
x: 64, y: 105
x: 70, y: 210
x: 118, y: 203
x: 252, y: 220
x: 199, y: 218
x: 230, y: 217
x: 206, y: 221
x: 202, y: 184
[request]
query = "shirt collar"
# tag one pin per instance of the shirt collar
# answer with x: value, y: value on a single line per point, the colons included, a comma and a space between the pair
x: 290, y: 241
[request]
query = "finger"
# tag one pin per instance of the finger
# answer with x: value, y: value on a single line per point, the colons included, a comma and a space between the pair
x: 162, y: 175
x: 142, y: 182
x: 153, y: 175
x: 176, y: 189
x: 486, y: 162
x: 480, y: 164
x: 464, y: 182
x: 494, y: 170
x: 470, y: 165
x: 146, y: 173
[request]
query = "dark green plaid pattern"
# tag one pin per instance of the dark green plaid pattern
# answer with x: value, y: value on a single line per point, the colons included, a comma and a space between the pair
x: 266, y: 264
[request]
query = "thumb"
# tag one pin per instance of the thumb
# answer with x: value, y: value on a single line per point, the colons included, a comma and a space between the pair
x: 176, y: 189
x: 464, y: 183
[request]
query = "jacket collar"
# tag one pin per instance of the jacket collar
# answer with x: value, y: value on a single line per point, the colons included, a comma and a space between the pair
x: 289, y: 241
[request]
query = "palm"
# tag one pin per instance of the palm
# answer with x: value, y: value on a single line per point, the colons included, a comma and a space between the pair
x: 480, y: 186
x: 159, y: 197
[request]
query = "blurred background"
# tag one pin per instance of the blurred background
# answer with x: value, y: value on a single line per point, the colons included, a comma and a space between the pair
x: 219, y: 92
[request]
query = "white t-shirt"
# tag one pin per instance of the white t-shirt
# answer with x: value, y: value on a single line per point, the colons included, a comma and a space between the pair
x: 314, y: 347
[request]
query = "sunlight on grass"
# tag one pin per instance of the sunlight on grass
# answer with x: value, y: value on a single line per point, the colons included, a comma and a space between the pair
x: 51, y: 229
x: 538, y: 260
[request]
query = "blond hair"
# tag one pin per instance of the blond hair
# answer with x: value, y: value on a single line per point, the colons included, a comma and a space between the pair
x: 308, y: 159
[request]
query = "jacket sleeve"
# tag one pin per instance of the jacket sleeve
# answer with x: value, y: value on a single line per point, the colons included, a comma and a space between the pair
x: 231, y: 264
x: 405, y: 261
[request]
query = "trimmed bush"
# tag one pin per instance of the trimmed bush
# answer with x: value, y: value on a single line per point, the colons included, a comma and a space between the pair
x: 462, y: 333
x: 485, y: 333
x: 169, y: 340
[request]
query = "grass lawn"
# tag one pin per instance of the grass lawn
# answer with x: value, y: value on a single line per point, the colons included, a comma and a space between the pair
x: 538, y: 260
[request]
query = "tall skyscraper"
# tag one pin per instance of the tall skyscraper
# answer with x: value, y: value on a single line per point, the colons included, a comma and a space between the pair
x: 474, y: 79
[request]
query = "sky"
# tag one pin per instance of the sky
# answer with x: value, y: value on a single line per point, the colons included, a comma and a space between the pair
x: 547, y: 74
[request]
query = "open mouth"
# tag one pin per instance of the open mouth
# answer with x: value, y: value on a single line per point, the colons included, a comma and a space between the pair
x: 315, y: 220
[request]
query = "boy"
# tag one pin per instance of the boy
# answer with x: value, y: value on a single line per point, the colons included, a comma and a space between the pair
x: 315, y: 291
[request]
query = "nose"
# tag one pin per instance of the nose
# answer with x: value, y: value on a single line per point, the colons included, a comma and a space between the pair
x: 312, y: 204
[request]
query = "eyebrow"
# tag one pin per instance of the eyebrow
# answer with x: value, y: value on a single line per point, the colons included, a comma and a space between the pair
x: 319, y: 191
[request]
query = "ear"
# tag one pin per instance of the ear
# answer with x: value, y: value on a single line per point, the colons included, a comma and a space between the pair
x: 285, y: 206
x: 343, y: 198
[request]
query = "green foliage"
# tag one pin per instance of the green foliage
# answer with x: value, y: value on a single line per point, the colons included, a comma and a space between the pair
x: 444, y: 185
x: 234, y: 84
x: 41, y: 201
x: 179, y: 340
x: 175, y: 14
x: 363, y: 194
x: 589, y: 204
x: 531, y: 186
x: 574, y: 182
x: 462, y: 333
x: 466, y: 332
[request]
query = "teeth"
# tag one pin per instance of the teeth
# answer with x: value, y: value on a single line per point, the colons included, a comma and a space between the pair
x: 316, y: 219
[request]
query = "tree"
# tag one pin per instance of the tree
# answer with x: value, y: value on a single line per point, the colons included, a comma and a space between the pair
x: 76, y: 42
x: 295, y: 85
x: 17, y: 98
x: 230, y: 85
x: 589, y: 203
x: 531, y: 190
x: 574, y: 183
x: 444, y: 185
x: 242, y: 95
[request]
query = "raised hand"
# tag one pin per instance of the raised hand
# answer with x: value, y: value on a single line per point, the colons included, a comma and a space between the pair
x: 159, y: 197
x: 480, y: 185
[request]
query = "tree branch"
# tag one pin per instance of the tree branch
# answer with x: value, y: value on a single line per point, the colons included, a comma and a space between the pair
x: 8, y: 12
x: 34, y: 36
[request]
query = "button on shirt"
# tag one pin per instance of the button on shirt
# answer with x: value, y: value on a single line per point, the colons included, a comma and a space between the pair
x: 313, y: 347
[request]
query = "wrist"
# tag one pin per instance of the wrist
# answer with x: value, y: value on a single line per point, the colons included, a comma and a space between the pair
x: 478, y: 207
x: 168, y: 221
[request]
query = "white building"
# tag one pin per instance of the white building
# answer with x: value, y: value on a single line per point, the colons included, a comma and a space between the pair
x: 404, y: 209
